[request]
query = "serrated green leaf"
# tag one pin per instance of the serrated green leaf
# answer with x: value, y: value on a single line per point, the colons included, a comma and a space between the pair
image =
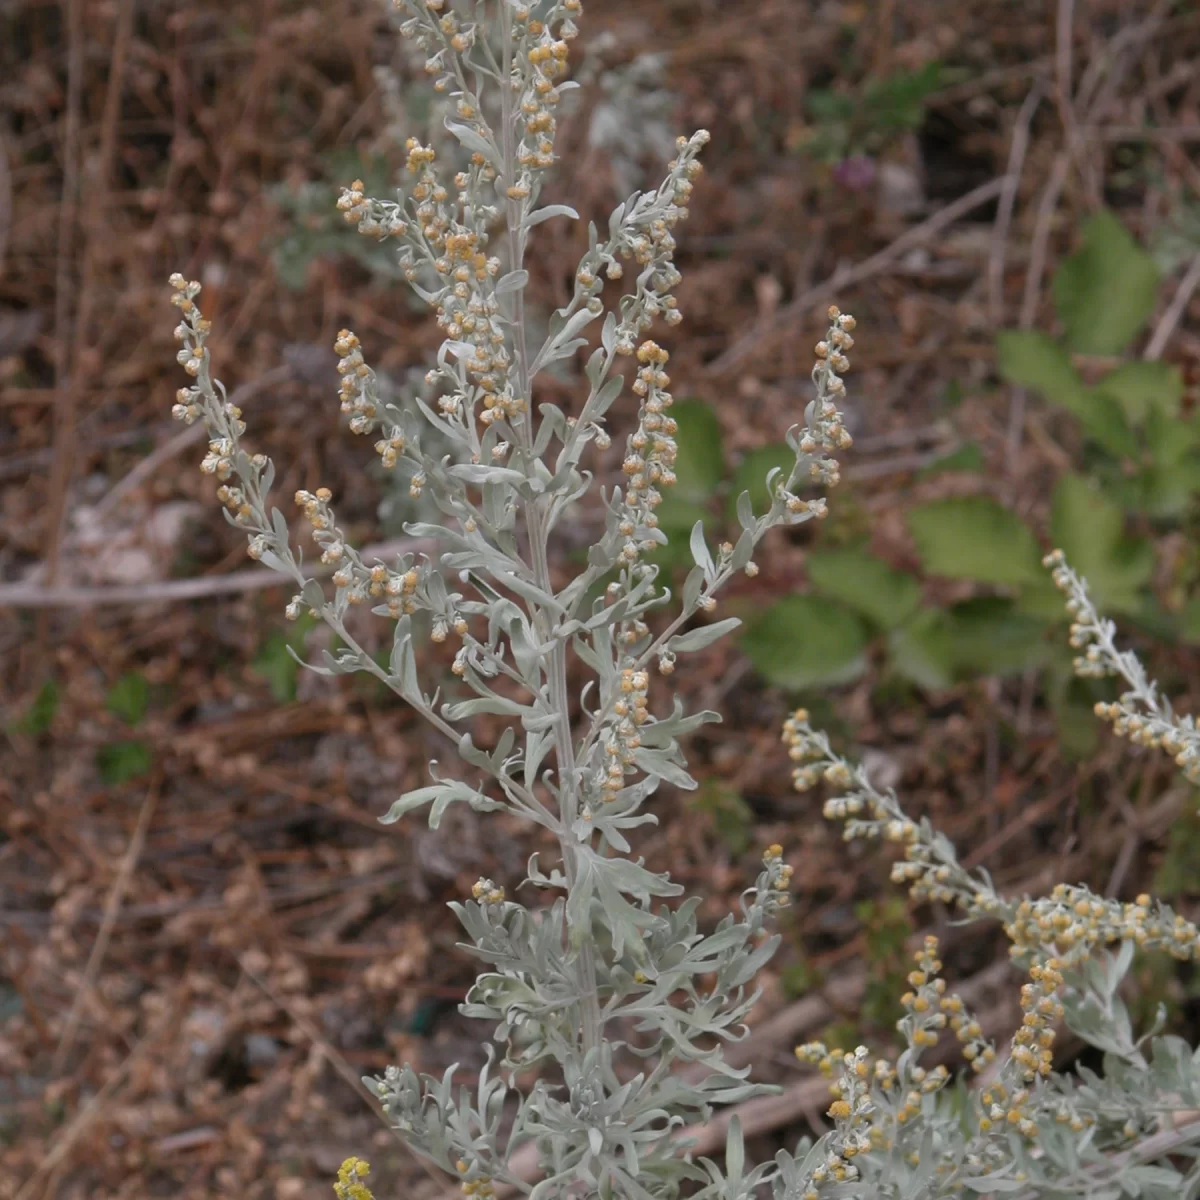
x: 122, y: 761
x: 807, y: 641
x: 1090, y: 530
x: 865, y: 583
x: 973, y: 537
x: 1106, y: 291
x: 1035, y: 360
x: 1169, y: 440
x: 920, y: 651
x: 128, y: 697
x: 1105, y: 422
x: 751, y: 475
x: 1145, y: 387
x: 700, y: 457
x: 988, y: 635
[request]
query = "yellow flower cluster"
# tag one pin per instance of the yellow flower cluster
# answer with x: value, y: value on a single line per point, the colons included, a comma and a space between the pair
x: 350, y: 1176
x: 487, y: 892
x: 852, y: 1111
x: 779, y: 873
x: 371, y: 217
x: 1071, y: 922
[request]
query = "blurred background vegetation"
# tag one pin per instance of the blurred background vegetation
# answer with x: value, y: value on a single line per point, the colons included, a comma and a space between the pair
x: 205, y: 937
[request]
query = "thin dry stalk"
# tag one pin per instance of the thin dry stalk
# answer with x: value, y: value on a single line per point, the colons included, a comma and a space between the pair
x: 112, y: 906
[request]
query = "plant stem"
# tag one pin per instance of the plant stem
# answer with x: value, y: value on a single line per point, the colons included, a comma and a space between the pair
x: 591, y: 1022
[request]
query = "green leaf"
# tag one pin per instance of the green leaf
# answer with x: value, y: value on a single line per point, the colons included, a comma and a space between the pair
x: 1035, y: 360
x: 276, y: 662
x: 1090, y: 530
x: 38, y: 718
x: 1071, y: 700
x: 1169, y: 440
x: 676, y: 518
x: 866, y: 584
x: 973, y: 537
x: 1145, y: 387
x: 897, y: 101
x: 806, y: 641
x: 700, y: 458
x: 119, y: 762
x: 920, y: 651
x: 751, y: 475
x: 732, y: 818
x: 1105, y: 422
x: 968, y: 457
x: 987, y: 635
x: 128, y: 697
x: 1106, y: 291
x: 1190, y: 621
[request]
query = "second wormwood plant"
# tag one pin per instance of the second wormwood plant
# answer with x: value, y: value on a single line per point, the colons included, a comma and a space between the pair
x: 608, y: 987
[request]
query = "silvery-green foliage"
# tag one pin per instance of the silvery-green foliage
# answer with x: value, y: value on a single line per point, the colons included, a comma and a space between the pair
x: 613, y: 948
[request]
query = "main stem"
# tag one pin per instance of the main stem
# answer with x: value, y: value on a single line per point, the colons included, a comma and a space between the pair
x: 535, y: 521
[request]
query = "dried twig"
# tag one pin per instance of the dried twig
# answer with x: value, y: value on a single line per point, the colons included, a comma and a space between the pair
x: 64, y: 407
x: 112, y: 906
x: 1008, y: 197
x: 1175, y: 310
x: 21, y: 595
x: 55, y: 1156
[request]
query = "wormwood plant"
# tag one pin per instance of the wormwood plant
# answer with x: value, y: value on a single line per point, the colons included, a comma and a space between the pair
x: 608, y: 987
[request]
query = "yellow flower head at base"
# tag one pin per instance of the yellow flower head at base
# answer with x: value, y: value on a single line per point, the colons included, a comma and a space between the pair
x: 350, y: 1178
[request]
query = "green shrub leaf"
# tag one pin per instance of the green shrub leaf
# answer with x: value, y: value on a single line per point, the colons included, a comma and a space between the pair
x: 1090, y: 529
x: 1106, y: 291
x: 806, y: 641
x: 866, y: 584
x: 968, y: 457
x: 1190, y: 621
x: 128, y: 697
x: 119, y: 762
x: 1145, y: 387
x: 751, y: 475
x: 973, y: 537
x: 700, y: 459
x: 39, y: 716
x: 920, y: 651
x: 1035, y: 360
x: 986, y: 635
